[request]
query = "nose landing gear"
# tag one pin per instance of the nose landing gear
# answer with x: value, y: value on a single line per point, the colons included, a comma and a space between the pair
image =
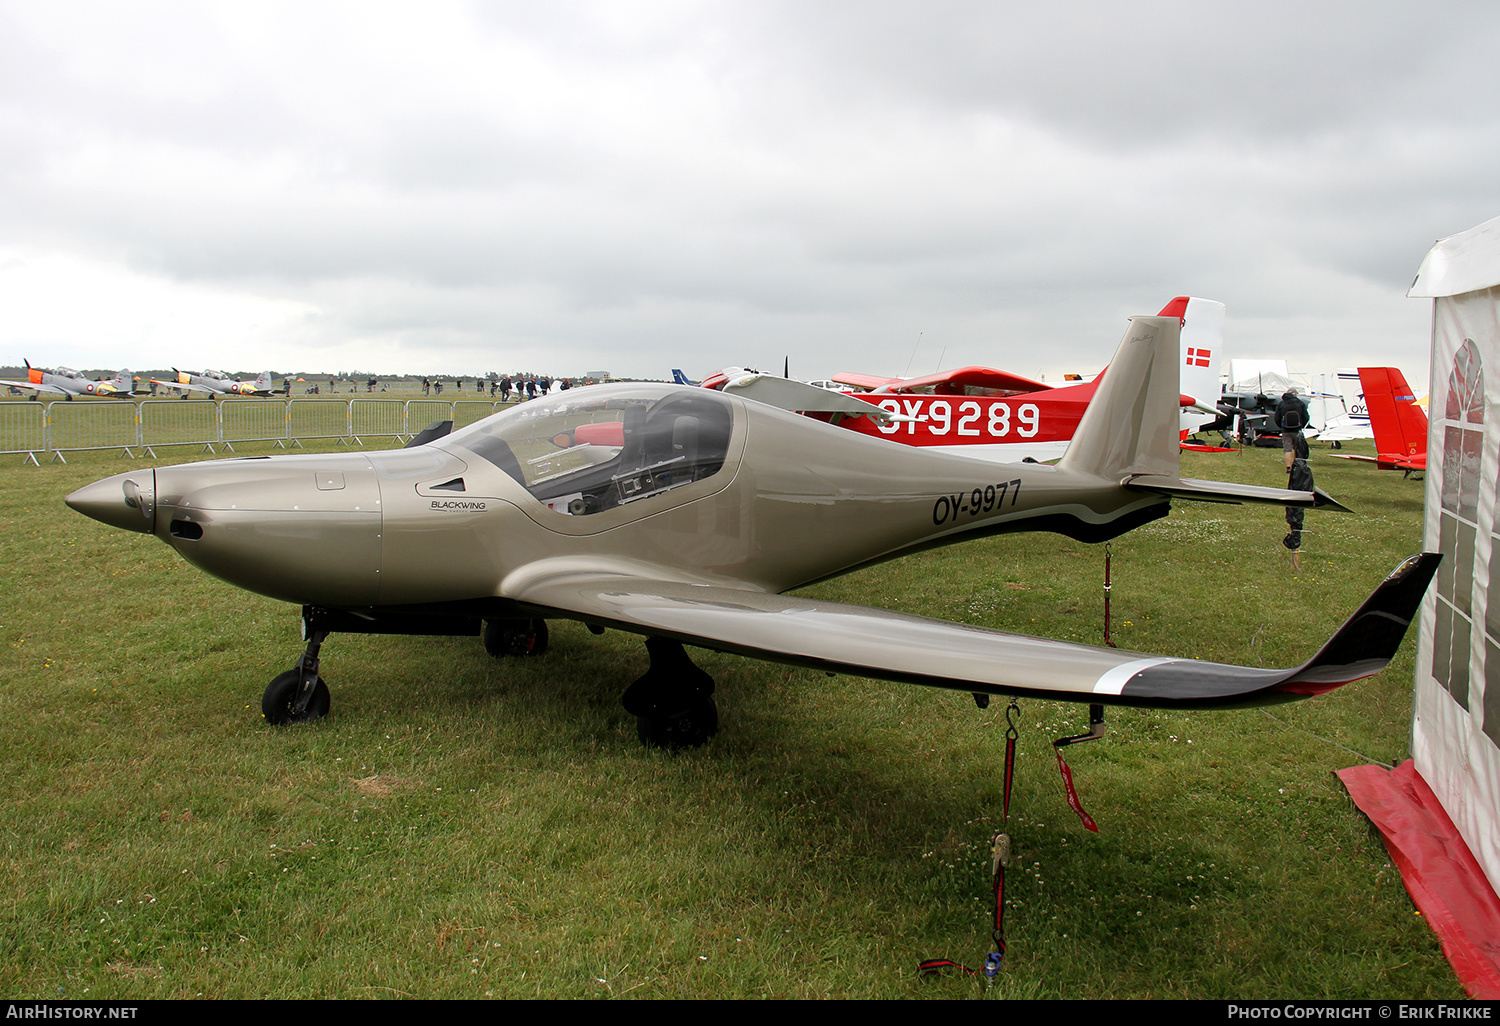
x: 298, y: 695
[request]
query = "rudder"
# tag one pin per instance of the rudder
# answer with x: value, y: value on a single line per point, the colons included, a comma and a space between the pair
x: 1131, y: 425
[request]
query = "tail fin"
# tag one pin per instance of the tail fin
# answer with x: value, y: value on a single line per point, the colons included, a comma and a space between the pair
x: 1128, y: 434
x: 264, y: 383
x: 679, y: 378
x: 1399, y: 424
x: 1202, y: 353
x: 1353, y: 393
x: 1130, y: 426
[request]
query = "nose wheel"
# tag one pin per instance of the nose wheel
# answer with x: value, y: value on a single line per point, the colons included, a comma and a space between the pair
x: 277, y: 705
x: 298, y: 695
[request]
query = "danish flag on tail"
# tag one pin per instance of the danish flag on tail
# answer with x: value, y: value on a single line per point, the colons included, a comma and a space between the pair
x: 1202, y: 338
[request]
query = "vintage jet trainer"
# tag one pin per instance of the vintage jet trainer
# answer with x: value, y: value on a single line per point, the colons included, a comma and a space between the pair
x: 684, y: 514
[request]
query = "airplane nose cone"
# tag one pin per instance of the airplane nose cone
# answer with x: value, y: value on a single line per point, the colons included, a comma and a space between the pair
x: 125, y: 500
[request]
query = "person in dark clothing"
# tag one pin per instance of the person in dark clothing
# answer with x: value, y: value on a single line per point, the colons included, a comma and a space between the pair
x: 1299, y: 478
x: 1291, y: 418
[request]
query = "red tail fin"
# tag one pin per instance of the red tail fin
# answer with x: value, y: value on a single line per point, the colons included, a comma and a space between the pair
x: 1399, y: 424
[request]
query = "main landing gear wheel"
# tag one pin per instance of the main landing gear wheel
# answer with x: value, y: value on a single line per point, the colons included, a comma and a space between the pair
x: 673, y: 701
x: 690, y: 727
x: 515, y: 637
x: 276, y: 703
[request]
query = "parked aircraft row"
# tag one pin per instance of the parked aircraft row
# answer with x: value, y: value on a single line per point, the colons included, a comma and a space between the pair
x: 69, y: 383
x: 991, y: 414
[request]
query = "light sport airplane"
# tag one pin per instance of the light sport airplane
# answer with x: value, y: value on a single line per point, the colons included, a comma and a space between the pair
x: 215, y: 383
x: 1399, y: 425
x: 991, y: 414
x: 68, y: 383
x: 1336, y: 408
x: 703, y: 512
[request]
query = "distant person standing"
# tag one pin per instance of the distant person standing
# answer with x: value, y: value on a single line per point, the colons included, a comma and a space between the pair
x: 1291, y: 418
x: 1299, y: 477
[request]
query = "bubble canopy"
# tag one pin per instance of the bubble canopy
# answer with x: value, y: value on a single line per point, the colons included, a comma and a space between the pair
x: 598, y: 448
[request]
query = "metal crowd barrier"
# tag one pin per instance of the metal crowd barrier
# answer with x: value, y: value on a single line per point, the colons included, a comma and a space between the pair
x: 257, y: 420
x: 23, y: 429
x: 422, y: 412
x: 469, y: 411
x: 56, y: 427
x: 102, y: 424
x: 377, y: 417
x: 317, y: 418
x: 178, y: 422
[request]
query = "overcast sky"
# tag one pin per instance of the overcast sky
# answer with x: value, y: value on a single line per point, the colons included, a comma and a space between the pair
x: 452, y: 188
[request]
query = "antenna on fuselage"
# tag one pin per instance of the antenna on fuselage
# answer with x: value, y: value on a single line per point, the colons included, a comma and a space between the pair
x: 907, y: 373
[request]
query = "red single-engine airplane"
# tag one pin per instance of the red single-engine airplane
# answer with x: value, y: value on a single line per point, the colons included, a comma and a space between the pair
x: 986, y: 413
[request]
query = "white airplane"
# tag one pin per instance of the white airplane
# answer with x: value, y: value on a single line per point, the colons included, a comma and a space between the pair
x: 1337, y: 408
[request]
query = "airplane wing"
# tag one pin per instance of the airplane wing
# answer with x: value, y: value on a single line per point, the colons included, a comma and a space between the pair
x: 980, y: 377
x: 896, y: 646
x: 181, y: 387
x: 862, y: 380
x: 32, y: 386
x: 800, y: 397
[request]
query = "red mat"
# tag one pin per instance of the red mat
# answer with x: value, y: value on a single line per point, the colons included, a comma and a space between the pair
x: 1443, y: 878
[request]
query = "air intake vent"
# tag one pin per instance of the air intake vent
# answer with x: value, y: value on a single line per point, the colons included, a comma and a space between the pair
x: 186, y: 529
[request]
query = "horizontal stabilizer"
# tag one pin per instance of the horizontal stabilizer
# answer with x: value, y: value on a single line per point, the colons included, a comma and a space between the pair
x: 1228, y: 491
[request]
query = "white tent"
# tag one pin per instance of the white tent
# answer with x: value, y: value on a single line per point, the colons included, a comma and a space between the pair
x: 1267, y: 376
x: 1440, y: 810
x: 1456, y: 714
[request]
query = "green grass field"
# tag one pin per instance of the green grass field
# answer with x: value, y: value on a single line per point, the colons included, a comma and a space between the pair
x: 462, y: 827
